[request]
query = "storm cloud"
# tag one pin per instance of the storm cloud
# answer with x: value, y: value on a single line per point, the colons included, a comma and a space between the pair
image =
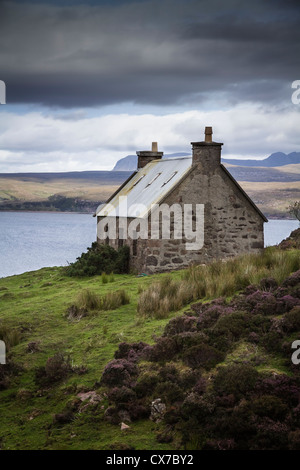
x: 159, y: 52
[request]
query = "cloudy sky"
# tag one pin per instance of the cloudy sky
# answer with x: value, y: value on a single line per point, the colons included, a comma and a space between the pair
x: 91, y: 82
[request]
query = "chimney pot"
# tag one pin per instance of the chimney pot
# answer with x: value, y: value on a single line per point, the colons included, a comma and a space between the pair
x: 154, y: 147
x: 208, y: 135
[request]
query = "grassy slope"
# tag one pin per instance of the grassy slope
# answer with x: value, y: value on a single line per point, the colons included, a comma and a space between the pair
x: 36, y: 303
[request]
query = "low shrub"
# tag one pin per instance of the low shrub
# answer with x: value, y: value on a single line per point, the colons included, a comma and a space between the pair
x: 121, y: 395
x: 203, y: 355
x: 100, y: 258
x: 164, y: 349
x: 130, y: 351
x: 180, y: 325
x: 119, y: 372
x: 291, y: 321
x: 236, y: 379
x: 169, y: 392
x: 57, y: 368
x: 269, y: 406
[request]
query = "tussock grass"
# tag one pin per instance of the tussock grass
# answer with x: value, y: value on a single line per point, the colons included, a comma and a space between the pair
x: 165, y: 296
x: 10, y: 336
x: 88, y: 302
x: 221, y: 278
x: 113, y: 300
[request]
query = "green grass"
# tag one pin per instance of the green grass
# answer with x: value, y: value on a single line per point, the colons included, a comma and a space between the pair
x: 34, y: 309
x: 35, y: 306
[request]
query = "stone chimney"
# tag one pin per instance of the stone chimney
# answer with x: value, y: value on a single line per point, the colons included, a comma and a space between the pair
x: 207, y: 153
x: 146, y: 156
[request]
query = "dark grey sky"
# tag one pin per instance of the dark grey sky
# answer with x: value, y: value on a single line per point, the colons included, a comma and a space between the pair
x: 149, y: 52
x: 89, y: 82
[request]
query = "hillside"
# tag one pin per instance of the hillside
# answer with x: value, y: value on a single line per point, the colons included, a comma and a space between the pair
x: 272, y: 189
x: 217, y: 354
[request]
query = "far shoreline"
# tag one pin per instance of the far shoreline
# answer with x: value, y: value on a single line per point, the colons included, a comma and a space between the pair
x: 271, y: 217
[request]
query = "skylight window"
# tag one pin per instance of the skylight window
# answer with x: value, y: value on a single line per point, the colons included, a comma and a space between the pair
x: 153, y: 179
x: 137, y: 182
x: 169, y: 179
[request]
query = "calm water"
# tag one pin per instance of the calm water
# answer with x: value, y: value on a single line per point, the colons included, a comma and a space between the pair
x: 32, y: 240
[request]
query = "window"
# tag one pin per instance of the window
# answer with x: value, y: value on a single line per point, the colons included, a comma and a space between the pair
x: 169, y: 179
x: 137, y: 182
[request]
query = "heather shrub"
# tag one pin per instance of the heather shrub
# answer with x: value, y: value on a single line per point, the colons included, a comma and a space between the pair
x: 121, y: 395
x: 203, y: 355
x: 180, y: 325
x: 232, y: 326
x: 164, y: 349
x: 130, y: 351
x: 200, y: 386
x: 282, y: 386
x: 270, y: 435
x: 188, y: 339
x: 168, y: 372
x: 286, y: 303
x: 292, y: 280
x: 200, y: 407
x: 291, y: 321
x: 268, y: 283
x: 211, y: 315
x: 56, y: 369
x: 271, y: 341
x: 146, y: 383
x: 269, y: 406
x: 258, y: 324
x: 119, y: 372
x: 236, y: 379
x: 169, y: 392
x: 261, y: 302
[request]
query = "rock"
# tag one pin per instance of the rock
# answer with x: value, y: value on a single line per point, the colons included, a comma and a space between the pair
x: 91, y: 396
x: 124, y: 427
x: 158, y: 409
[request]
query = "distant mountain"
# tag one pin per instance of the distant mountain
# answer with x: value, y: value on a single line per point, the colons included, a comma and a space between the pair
x: 276, y: 159
x: 129, y: 163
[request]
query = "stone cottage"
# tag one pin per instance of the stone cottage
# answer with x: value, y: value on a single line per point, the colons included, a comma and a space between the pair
x: 176, y: 211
